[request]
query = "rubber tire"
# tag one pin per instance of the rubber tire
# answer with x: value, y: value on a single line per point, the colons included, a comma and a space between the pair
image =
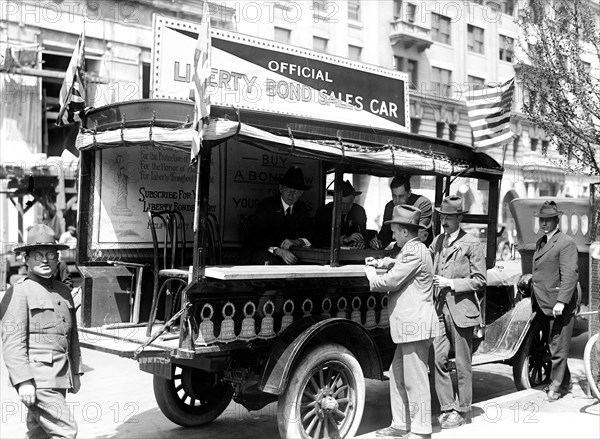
x: 178, y: 411
x: 308, y: 366
x: 520, y: 362
x: 591, y: 357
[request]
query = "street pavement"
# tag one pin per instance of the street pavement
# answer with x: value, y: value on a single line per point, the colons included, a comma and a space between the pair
x: 117, y: 401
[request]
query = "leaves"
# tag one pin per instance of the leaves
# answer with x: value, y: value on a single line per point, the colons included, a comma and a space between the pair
x: 561, y: 78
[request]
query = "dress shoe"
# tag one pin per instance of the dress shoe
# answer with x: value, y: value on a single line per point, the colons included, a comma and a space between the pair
x: 437, y: 420
x: 413, y: 435
x: 552, y: 396
x: 391, y: 432
x: 453, y: 420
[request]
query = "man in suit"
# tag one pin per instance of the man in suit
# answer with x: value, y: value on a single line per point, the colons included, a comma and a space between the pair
x: 280, y: 222
x: 460, y: 272
x: 413, y: 324
x: 402, y: 194
x: 354, y: 221
x: 554, y: 281
x: 40, y: 342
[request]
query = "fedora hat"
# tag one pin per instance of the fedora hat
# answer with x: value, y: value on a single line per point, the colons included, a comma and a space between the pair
x: 294, y: 178
x: 40, y: 235
x: 406, y: 215
x: 347, y: 190
x: 548, y: 210
x: 451, y: 205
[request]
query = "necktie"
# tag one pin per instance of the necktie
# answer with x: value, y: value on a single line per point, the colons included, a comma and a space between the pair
x: 543, y: 241
x: 288, y: 212
x: 446, y: 242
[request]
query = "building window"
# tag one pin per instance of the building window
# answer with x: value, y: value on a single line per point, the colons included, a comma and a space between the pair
x: 439, y: 129
x: 440, y: 80
x: 145, y: 80
x: 534, y: 144
x: 397, y: 9
x: 506, y: 46
x: 440, y: 28
x: 409, y: 66
x: 452, y: 128
x: 411, y: 12
x: 505, y: 6
x: 320, y: 44
x: 474, y: 39
x: 282, y: 35
x: 475, y: 82
x: 354, y: 52
x: 354, y: 10
x: 545, y: 144
x: 415, y: 124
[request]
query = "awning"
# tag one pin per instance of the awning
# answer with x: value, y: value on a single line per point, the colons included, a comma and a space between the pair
x: 383, y: 156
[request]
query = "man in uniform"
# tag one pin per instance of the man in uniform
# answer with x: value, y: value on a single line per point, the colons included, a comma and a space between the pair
x: 459, y: 273
x: 413, y: 324
x: 280, y: 222
x: 554, y: 281
x: 402, y: 194
x: 40, y: 342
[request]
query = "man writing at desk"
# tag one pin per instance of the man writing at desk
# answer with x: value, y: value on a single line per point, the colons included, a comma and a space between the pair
x: 280, y: 222
x: 353, y: 225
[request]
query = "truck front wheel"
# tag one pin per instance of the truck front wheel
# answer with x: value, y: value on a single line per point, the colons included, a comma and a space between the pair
x: 532, y: 363
x: 325, y: 396
x: 192, y: 397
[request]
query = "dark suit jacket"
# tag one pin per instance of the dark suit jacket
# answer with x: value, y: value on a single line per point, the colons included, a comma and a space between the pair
x: 354, y: 221
x: 269, y: 226
x: 419, y: 201
x: 555, y: 273
x: 464, y: 263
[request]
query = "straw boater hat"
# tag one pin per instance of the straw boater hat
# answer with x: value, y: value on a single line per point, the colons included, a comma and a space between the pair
x: 294, y: 178
x: 407, y: 216
x: 451, y: 205
x: 40, y: 235
x: 548, y: 210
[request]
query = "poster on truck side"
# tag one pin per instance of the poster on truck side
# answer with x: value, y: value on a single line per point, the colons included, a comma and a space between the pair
x: 261, y: 75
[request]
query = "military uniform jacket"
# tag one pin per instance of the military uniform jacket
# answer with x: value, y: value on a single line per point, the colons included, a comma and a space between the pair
x: 463, y: 261
x: 39, y: 334
x: 409, y: 282
x: 555, y: 273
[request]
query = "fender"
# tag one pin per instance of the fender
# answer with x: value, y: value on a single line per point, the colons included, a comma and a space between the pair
x: 303, y: 333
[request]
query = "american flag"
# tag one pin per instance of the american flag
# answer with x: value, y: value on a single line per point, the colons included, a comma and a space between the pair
x: 489, y: 114
x: 72, y: 92
x: 200, y: 78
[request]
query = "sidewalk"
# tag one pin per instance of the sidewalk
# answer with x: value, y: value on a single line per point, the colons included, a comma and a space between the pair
x: 522, y: 414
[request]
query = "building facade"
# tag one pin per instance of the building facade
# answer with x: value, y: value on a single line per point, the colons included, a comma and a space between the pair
x: 446, y: 47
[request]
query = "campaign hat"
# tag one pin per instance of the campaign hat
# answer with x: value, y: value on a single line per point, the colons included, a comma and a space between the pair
x: 40, y: 235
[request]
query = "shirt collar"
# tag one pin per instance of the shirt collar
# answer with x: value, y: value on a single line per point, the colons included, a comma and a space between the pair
x: 285, y: 206
x: 552, y: 233
x: 454, y: 235
x: 45, y: 281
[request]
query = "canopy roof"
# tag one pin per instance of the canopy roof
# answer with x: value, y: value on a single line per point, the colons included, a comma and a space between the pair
x: 166, y: 123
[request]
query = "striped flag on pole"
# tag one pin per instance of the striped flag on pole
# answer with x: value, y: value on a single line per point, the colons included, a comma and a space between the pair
x: 72, y: 92
x: 202, y: 60
x: 489, y: 114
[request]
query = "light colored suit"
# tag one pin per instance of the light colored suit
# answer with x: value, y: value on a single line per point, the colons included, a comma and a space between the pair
x: 410, y: 285
x: 554, y: 279
x: 463, y: 262
x: 413, y: 325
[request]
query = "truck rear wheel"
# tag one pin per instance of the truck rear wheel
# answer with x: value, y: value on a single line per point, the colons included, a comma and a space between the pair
x: 192, y: 397
x: 532, y: 363
x: 325, y: 396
